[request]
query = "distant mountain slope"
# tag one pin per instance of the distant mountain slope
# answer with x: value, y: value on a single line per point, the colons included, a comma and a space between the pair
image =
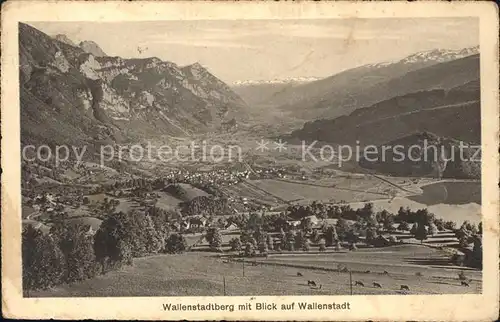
x: 342, y: 93
x: 260, y: 92
x: 71, y: 96
x: 430, y: 155
x: 454, y: 113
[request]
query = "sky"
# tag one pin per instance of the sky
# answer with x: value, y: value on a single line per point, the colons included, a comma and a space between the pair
x: 238, y: 50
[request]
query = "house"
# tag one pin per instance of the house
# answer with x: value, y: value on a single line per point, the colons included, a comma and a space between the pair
x: 314, y: 220
x: 198, y: 222
x: 232, y: 226
x: 175, y: 226
x: 185, y: 224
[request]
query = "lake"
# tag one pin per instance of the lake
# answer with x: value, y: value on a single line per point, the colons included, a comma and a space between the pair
x: 449, y: 193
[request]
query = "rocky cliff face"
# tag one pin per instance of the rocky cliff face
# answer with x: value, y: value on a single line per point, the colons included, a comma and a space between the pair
x: 92, y: 48
x: 70, y: 94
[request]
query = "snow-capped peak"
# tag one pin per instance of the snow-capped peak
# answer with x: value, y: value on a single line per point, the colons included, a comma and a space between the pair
x: 440, y: 55
x: 435, y: 55
x: 277, y: 81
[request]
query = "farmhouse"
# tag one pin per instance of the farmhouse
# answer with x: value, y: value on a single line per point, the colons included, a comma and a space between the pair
x: 197, y: 222
x: 232, y: 226
x: 313, y: 219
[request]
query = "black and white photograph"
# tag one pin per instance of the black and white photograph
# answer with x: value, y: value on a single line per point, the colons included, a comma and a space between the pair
x: 251, y: 157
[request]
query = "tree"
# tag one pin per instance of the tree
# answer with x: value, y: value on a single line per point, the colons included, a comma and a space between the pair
x: 246, y: 236
x: 371, y: 235
x: 331, y: 236
x: 450, y: 225
x: 77, y: 247
x: 263, y: 247
x: 216, y: 241
x: 462, y: 233
x: 386, y: 219
x: 366, y: 211
x: 249, y: 249
x: 282, y: 239
x: 322, y: 245
x: 306, y: 246
x: 403, y: 226
x: 342, y: 228
x: 153, y: 242
x: 306, y: 224
x: 421, y: 232
x: 290, y: 240
x: 300, y: 240
x: 463, y: 241
x: 43, y: 263
x: 214, y: 238
x: 413, y: 229
x: 439, y: 224
x: 258, y: 235
x: 477, y: 252
x: 175, y: 244
x: 433, y: 229
x: 235, y: 244
x: 270, y: 242
x: 113, y: 242
x: 351, y: 237
x: 314, y: 236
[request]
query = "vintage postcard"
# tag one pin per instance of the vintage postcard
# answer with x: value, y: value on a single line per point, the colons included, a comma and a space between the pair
x: 250, y: 161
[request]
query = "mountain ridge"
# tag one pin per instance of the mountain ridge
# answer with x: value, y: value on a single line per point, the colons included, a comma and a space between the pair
x: 71, y: 95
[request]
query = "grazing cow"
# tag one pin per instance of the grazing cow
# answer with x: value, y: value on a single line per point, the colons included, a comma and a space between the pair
x: 464, y: 283
x: 311, y: 283
x: 386, y: 273
x: 375, y: 284
x: 405, y: 287
x: 358, y: 283
x: 299, y: 274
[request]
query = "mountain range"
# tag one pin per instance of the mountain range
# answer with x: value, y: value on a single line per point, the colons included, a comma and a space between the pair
x: 449, y: 110
x: 78, y: 95
x: 362, y: 86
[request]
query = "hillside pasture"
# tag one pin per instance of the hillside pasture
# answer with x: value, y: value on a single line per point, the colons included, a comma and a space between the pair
x: 197, y: 274
x: 401, y: 260
x: 192, y: 192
